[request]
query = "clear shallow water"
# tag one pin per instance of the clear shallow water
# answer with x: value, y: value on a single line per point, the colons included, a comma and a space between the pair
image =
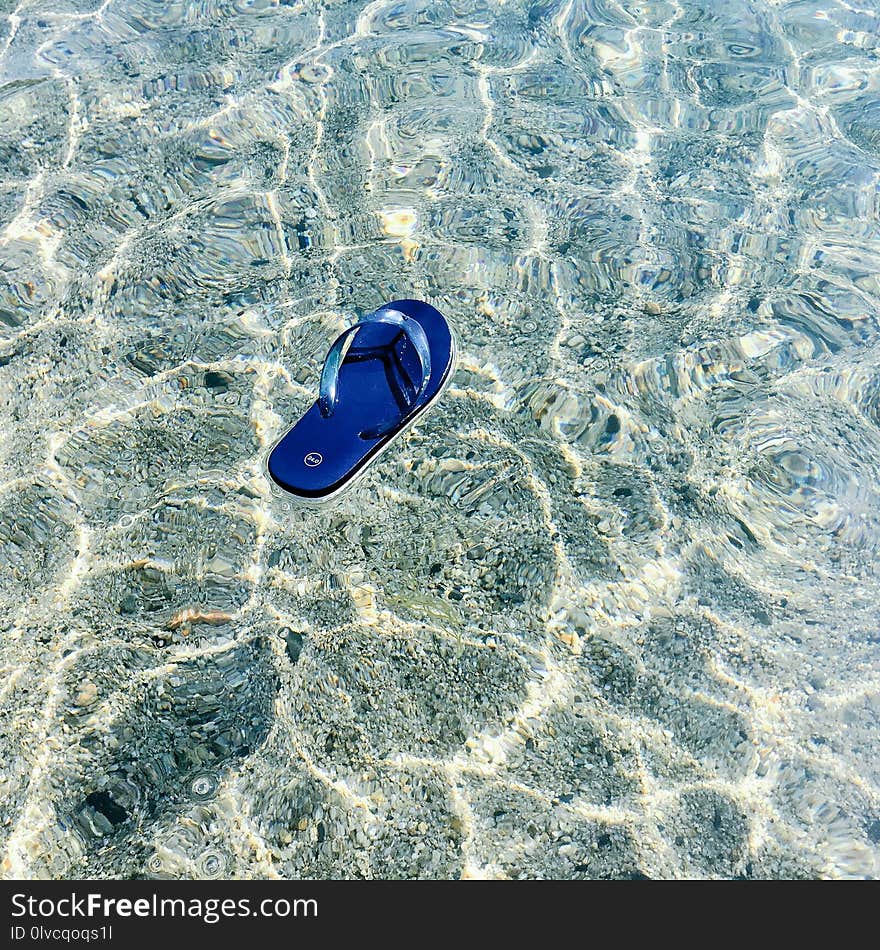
x: 611, y: 609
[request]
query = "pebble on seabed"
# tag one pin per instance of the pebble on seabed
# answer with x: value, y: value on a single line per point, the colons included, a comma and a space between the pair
x: 87, y: 694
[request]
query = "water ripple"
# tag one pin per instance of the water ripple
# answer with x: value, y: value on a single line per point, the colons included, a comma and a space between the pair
x: 611, y: 610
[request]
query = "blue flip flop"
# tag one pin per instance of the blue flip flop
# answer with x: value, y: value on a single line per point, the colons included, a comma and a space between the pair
x: 380, y: 375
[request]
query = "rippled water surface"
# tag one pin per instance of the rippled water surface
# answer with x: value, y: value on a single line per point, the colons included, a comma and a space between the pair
x: 610, y: 609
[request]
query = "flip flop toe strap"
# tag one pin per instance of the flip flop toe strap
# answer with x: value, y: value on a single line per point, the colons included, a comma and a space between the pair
x: 328, y: 395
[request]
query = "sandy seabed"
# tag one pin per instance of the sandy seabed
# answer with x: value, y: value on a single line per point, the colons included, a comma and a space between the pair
x: 611, y: 609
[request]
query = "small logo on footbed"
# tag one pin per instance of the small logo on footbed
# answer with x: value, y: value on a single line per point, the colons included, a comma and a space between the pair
x: 313, y: 459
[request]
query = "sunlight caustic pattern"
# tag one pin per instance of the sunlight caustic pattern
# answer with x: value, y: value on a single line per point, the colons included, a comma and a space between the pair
x: 611, y: 609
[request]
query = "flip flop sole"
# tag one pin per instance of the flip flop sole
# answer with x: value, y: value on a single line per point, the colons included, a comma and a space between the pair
x: 292, y: 447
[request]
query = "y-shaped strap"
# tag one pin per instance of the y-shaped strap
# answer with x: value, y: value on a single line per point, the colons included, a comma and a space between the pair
x: 328, y: 394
